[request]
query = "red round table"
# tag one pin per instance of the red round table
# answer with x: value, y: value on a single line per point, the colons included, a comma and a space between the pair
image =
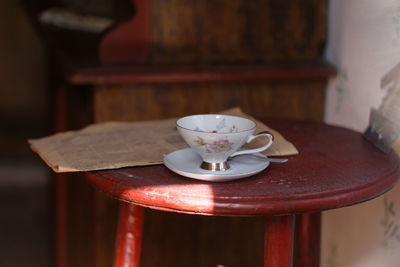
x: 336, y: 167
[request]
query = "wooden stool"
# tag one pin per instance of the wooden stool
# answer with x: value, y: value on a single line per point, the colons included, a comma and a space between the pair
x: 336, y: 167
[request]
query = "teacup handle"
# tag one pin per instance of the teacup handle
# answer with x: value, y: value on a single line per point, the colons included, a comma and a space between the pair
x: 256, y: 150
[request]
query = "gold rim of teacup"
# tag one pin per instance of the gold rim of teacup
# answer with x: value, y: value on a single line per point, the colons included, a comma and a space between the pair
x: 199, y: 131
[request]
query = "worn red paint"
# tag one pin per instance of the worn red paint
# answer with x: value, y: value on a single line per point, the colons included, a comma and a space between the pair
x: 336, y: 167
x: 279, y: 240
x: 60, y: 194
x: 130, y: 41
x: 308, y: 226
x: 61, y: 251
x: 193, y: 73
x: 129, y: 235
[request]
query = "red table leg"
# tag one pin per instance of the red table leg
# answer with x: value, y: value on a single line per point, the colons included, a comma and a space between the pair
x: 61, y: 213
x: 129, y: 235
x: 308, y: 233
x: 279, y: 241
x: 61, y: 220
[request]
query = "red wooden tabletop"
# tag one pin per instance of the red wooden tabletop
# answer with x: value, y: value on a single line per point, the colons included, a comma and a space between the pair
x: 336, y: 167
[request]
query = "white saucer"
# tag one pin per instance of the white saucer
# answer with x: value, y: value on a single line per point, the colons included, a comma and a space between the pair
x: 187, y: 162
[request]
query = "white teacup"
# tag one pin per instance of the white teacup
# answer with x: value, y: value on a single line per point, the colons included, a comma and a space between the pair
x: 218, y: 137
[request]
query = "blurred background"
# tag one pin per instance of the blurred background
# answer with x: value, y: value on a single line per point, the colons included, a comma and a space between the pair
x: 25, y: 186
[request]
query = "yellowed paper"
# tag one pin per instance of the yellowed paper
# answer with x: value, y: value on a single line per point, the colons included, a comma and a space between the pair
x: 114, y: 145
x: 280, y: 147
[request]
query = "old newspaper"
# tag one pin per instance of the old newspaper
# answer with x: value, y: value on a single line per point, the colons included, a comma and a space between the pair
x: 114, y: 145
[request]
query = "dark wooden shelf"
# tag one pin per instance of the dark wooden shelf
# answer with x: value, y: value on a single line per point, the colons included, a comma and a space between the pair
x: 199, y: 73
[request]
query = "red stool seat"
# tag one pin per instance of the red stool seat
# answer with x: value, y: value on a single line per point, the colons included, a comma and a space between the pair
x: 336, y: 167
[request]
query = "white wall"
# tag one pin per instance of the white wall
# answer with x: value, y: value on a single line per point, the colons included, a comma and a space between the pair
x: 364, y: 44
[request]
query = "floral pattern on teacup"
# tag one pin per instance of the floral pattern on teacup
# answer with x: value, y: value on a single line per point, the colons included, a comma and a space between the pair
x: 221, y: 127
x: 221, y: 145
x: 216, y: 146
x: 200, y: 141
x: 233, y: 129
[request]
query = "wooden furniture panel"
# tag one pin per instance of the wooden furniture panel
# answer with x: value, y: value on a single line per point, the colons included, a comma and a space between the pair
x: 72, y: 193
x: 222, y: 31
x: 236, y: 31
x: 294, y: 99
x: 196, y: 73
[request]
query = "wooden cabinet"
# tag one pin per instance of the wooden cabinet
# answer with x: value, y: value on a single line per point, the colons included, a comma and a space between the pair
x: 180, y: 57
